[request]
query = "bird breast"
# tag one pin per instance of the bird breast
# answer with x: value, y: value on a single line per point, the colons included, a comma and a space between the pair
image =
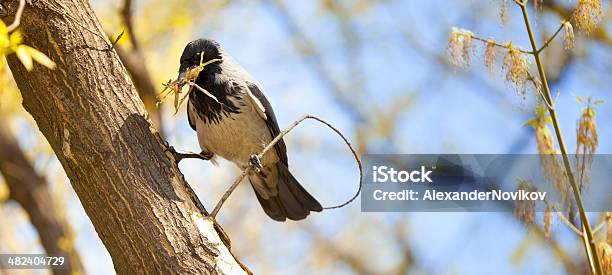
x: 236, y: 136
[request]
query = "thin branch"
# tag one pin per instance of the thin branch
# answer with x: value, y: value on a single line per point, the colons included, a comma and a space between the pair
x: 599, y: 226
x: 567, y: 222
x: 126, y: 16
x: 538, y: 87
x: 227, y: 193
x: 497, y: 44
x: 551, y: 38
x: 18, y: 14
x: 589, y: 241
x: 118, y: 38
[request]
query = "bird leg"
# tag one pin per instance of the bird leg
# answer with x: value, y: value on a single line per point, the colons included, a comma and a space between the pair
x: 255, y: 163
x: 204, y: 155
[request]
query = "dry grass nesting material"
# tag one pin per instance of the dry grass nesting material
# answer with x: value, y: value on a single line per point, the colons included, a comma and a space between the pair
x: 175, y: 86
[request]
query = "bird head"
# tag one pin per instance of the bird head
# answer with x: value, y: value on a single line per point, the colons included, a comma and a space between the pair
x: 197, y: 52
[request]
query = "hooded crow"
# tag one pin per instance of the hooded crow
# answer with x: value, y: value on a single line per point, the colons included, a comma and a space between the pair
x: 237, y: 124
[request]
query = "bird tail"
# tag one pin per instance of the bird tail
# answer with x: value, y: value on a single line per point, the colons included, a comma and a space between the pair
x: 291, y: 201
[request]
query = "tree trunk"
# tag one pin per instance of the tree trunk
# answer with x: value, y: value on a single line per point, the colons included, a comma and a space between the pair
x: 134, y: 63
x: 89, y: 111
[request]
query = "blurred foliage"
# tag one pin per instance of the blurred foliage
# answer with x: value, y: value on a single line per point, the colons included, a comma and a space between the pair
x: 11, y: 43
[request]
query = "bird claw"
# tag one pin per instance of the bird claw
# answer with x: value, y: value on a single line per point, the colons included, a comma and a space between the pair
x: 255, y: 163
x: 207, y: 155
x: 181, y: 156
x: 170, y: 149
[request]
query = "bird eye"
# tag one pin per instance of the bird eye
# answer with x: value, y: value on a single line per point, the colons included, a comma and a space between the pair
x: 195, y: 58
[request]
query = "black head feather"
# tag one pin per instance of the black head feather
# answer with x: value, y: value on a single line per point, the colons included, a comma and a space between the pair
x: 211, y: 79
x: 193, y: 50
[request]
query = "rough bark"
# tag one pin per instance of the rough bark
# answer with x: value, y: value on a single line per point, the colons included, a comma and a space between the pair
x: 31, y: 191
x: 134, y: 63
x: 89, y: 111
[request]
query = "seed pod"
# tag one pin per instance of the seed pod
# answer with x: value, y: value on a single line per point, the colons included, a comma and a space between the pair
x: 489, y: 56
x: 516, y: 68
x: 537, y: 7
x: 549, y: 158
x: 587, y: 15
x: 460, y: 47
x: 587, y: 142
x: 605, y: 252
x: 502, y: 12
x: 568, y: 37
x: 525, y: 210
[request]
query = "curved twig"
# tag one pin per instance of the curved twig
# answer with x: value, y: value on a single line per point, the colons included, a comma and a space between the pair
x: 18, y: 14
x: 231, y: 189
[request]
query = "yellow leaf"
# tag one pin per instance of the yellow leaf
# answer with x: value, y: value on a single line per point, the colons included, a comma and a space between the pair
x: 4, y: 43
x: 4, y: 37
x: 41, y: 58
x: 24, y: 57
x: 16, y: 38
x: 3, y: 29
x: 531, y: 122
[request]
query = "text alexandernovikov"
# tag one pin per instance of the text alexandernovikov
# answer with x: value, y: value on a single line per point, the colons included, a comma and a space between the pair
x: 384, y: 174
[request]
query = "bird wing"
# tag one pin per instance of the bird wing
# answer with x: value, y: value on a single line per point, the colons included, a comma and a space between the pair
x: 257, y: 105
x: 264, y: 109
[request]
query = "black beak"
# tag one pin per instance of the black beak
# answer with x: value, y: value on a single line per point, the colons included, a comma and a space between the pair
x: 181, y: 76
x: 183, y: 73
